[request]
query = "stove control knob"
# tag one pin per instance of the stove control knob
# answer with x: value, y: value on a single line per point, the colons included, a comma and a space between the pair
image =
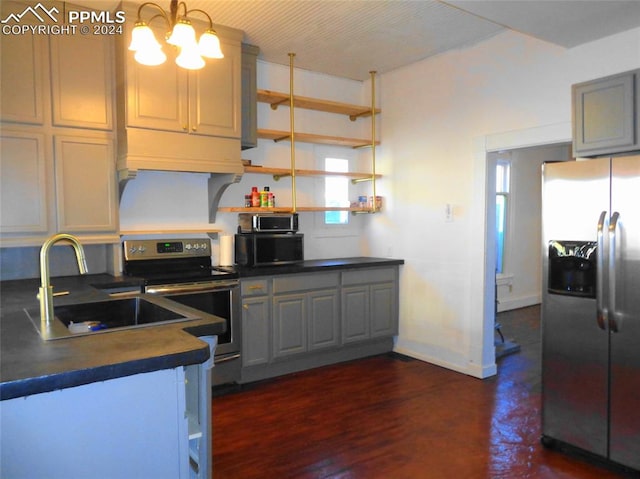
x: 203, y: 246
x: 196, y: 246
x: 142, y: 249
x: 187, y: 246
x: 133, y: 249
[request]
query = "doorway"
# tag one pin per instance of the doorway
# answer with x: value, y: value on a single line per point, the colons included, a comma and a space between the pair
x: 484, y: 210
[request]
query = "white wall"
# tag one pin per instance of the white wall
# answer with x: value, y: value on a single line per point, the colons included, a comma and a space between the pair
x: 440, y: 116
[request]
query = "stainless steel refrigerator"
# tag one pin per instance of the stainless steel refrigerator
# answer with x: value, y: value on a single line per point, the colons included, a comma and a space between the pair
x: 591, y: 307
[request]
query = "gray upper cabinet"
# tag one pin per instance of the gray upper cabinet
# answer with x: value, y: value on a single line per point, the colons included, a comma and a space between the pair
x: 249, y: 96
x: 57, y: 140
x: 606, y: 115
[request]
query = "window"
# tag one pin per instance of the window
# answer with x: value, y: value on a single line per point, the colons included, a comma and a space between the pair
x: 336, y: 191
x: 502, y: 204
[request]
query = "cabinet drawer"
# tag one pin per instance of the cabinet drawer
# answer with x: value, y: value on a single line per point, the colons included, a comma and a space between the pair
x: 302, y: 282
x: 254, y: 287
x: 367, y: 276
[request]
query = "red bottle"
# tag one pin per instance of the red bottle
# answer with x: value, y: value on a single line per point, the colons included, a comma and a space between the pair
x: 255, y: 196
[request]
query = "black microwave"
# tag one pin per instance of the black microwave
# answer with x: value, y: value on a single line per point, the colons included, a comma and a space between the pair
x: 264, y: 249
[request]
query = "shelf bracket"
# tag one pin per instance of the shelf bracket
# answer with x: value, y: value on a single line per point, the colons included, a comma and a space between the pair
x: 359, y: 115
x: 280, y: 175
x: 217, y: 184
x: 363, y: 212
x: 282, y: 138
x: 276, y: 104
x: 355, y: 181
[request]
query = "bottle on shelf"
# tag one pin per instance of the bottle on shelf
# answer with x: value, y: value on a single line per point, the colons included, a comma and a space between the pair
x: 264, y: 197
x: 247, y: 201
x: 255, y: 197
x: 271, y: 200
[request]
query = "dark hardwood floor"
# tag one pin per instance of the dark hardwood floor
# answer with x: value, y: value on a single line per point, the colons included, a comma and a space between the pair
x: 394, y: 417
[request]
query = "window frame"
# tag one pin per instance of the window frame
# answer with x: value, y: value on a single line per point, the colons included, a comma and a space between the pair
x: 504, y: 192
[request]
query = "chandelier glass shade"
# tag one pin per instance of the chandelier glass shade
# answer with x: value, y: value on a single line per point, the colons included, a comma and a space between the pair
x: 180, y: 34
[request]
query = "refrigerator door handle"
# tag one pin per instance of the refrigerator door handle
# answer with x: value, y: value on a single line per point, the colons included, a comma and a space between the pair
x: 601, y: 313
x: 613, y: 227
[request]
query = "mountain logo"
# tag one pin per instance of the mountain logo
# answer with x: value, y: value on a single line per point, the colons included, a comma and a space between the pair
x: 35, y: 11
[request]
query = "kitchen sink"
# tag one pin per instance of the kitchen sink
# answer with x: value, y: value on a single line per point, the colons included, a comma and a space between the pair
x: 108, y: 315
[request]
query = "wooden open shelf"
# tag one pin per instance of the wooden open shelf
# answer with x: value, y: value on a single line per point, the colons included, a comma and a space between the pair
x: 282, y: 172
x: 160, y: 230
x: 240, y: 209
x: 278, y: 135
x: 276, y: 99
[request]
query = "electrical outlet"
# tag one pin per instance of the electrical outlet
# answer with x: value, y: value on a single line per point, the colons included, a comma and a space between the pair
x: 448, y: 213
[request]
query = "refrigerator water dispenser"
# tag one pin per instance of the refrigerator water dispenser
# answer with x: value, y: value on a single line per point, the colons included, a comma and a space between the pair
x: 572, y: 268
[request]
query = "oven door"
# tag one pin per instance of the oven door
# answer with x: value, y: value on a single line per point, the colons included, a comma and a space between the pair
x: 220, y: 298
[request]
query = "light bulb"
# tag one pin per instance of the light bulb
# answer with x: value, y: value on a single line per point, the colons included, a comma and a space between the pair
x: 182, y: 34
x: 209, y: 45
x: 142, y: 37
x: 190, y: 59
x: 150, y: 56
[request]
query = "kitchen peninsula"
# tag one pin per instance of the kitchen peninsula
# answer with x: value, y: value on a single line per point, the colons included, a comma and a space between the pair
x: 113, y: 402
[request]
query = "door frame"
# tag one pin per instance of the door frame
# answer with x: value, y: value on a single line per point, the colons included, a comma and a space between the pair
x: 483, y: 216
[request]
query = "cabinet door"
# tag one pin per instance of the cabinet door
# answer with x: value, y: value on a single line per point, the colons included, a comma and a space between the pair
x: 214, y: 92
x: 81, y: 81
x: 355, y: 313
x: 255, y: 330
x: 85, y: 184
x: 383, y: 310
x: 605, y: 115
x: 22, y: 70
x: 23, y: 185
x: 289, y: 325
x: 157, y: 95
x: 249, y: 97
x: 324, y: 319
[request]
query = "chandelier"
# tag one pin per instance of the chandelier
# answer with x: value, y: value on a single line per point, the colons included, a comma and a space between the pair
x: 180, y: 33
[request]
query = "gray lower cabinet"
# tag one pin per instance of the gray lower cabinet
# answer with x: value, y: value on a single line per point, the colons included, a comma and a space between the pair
x: 289, y: 325
x: 292, y: 322
x: 256, y: 322
x: 606, y: 115
x: 305, y: 312
x: 369, y: 304
x: 323, y: 319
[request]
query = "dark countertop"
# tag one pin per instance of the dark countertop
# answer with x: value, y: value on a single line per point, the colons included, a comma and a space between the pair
x: 315, y: 265
x: 30, y: 365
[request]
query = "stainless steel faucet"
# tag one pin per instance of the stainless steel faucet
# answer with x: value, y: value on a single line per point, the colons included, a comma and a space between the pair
x: 45, y: 293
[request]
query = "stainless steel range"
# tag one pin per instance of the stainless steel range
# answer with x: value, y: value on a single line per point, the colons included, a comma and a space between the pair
x: 181, y: 270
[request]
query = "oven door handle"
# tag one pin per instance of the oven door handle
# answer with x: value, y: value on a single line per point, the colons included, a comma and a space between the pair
x: 191, y: 287
x: 226, y: 358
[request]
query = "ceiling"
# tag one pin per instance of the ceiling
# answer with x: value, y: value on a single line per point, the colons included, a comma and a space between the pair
x: 348, y: 38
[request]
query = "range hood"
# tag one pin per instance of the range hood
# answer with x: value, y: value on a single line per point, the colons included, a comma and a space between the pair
x: 144, y: 149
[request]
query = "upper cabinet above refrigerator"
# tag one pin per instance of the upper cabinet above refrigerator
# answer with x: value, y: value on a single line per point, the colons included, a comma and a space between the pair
x: 606, y: 115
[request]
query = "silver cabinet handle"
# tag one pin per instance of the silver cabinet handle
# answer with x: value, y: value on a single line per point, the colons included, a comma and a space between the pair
x: 601, y: 312
x: 191, y: 287
x: 613, y: 227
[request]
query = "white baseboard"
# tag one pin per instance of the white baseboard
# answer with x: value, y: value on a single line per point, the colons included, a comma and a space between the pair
x: 516, y: 303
